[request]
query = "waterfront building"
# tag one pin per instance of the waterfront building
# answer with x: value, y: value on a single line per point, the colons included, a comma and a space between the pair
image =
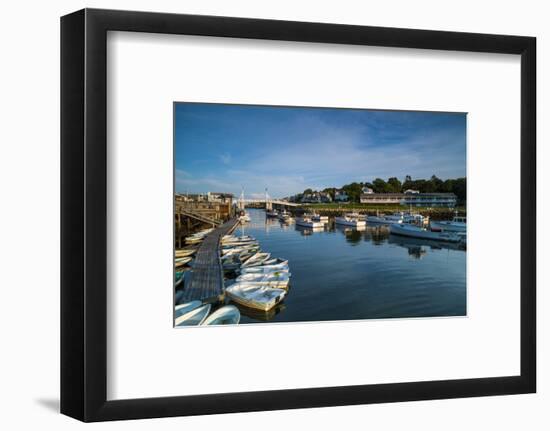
x: 340, y: 196
x: 411, y: 198
x: 316, y: 197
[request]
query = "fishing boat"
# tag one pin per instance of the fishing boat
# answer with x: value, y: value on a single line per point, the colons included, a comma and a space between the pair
x: 376, y: 219
x: 457, y: 224
x: 258, y: 297
x: 307, y: 221
x: 256, y: 259
x: 273, y: 279
x: 226, y: 315
x: 194, y: 317
x: 423, y: 233
x: 285, y: 216
x: 319, y: 218
x: 182, y: 309
x: 272, y: 214
x: 349, y: 220
x: 412, y: 218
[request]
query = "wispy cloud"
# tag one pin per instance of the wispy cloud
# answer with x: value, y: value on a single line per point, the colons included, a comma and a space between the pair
x: 290, y: 150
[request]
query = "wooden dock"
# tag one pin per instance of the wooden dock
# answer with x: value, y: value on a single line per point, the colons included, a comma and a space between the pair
x: 207, y: 275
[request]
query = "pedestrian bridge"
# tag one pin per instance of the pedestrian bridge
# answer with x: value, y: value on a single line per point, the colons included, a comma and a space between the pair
x: 267, y: 203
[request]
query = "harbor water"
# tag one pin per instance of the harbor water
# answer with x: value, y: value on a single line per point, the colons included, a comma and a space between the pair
x: 340, y: 273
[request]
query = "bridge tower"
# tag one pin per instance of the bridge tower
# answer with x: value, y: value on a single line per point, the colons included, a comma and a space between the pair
x: 240, y: 202
x: 268, y: 204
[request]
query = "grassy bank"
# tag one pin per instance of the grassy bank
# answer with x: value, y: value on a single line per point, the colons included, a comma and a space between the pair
x: 372, y: 209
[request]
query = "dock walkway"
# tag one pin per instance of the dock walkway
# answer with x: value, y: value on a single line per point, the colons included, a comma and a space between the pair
x: 207, y: 275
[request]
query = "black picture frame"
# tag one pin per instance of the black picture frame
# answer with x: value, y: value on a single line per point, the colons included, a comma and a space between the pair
x: 84, y: 214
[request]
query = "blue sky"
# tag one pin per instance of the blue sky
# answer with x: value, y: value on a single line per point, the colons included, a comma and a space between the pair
x: 226, y: 147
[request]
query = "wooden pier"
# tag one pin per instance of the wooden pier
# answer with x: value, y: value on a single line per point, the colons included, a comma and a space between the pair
x: 207, y: 275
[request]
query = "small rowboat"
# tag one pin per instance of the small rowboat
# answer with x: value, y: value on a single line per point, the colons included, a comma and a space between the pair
x: 179, y: 277
x: 227, y: 315
x: 182, y: 309
x: 194, y: 317
x: 274, y: 261
x: 180, y: 261
x: 186, y: 252
x: 258, y: 297
x: 265, y: 269
x: 272, y: 279
x: 256, y: 259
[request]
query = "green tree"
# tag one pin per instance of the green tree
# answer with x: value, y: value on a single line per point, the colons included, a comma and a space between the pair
x: 379, y: 186
x: 353, y: 191
x: 394, y: 185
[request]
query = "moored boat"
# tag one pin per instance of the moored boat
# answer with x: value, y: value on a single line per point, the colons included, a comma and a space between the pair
x: 258, y: 297
x: 265, y: 269
x: 194, y: 317
x: 182, y: 309
x: 180, y: 261
x: 457, y: 224
x: 307, y: 221
x: 272, y: 279
x: 256, y: 259
x: 350, y: 220
x: 272, y: 213
x: 226, y: 315
x: 423, y: 233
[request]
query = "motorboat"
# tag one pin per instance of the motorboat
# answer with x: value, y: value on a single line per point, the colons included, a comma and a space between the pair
x: 272, y: 213
x: 258, y: 297
x: 350, y: 219
x: 413, y: 231
x: 319, y: 218
x: 457, y: 224
x: 307, y: 221
x: 285, y: 217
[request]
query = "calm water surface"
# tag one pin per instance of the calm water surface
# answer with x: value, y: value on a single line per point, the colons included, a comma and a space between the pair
x: 340, y: 273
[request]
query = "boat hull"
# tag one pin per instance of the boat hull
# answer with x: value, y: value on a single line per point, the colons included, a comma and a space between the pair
x: 423, y: 234
x: 449, y: 226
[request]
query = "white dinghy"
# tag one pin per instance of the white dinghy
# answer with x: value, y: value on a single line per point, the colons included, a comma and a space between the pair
x: 256, y: 259
x: 182, y: 309
x: 272, y: 279
x: 194, y: 317
x: 264, y: 269
x: 227, y: 315
x: 258, y: 297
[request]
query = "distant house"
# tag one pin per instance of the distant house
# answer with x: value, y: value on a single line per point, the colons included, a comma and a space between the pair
x: 411, y: 191
x: 340, y: 196
x: 316, y: 198
x: 219, y: 197
x: 367, y: 190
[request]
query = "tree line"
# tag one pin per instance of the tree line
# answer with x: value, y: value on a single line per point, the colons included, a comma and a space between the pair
x: 394, y: 185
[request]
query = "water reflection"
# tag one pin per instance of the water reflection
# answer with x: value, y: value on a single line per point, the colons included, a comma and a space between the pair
x: 342, y: 273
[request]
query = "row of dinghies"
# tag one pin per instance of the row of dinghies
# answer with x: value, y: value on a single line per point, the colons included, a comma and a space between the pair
x: 252, y: 279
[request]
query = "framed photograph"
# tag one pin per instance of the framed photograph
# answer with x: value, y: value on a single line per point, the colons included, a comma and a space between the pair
x: 262, y: 215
